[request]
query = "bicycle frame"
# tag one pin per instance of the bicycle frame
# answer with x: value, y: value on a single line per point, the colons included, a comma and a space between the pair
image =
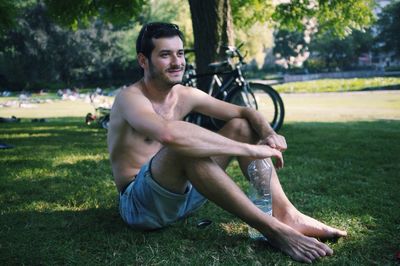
x: 231, y: 86
x: 223, y: 86
x: 224, y: 83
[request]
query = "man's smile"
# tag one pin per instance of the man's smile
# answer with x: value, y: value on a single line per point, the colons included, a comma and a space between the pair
x: 175, y: 71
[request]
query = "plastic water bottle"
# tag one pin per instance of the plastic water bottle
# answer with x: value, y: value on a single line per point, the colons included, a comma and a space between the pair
x: 259, y: 172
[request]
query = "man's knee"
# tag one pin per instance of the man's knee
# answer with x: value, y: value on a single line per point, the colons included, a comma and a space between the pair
x: 168, y: 162
x: 240, y: 130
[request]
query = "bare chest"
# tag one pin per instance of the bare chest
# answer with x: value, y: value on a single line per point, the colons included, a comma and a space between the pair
x: 170, y: 110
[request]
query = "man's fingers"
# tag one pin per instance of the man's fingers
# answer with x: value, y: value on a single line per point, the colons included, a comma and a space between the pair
x: 279, y: 159
x: 283, y: 144
x: 272, y: 145
x: 277, y: 142
x: 280, y: 163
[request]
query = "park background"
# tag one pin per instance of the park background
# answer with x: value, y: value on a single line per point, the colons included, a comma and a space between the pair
x: 335, y: 63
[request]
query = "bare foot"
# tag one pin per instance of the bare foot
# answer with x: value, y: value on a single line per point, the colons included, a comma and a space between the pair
x: 297, y: 246
x: 311, y: 227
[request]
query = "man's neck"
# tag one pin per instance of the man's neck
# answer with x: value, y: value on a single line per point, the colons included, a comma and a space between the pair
x: 154, y: 91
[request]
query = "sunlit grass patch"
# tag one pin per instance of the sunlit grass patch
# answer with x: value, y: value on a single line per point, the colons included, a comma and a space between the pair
x: 59, y: 205
x: 75, y: 158
x: 235, y: 228
x: 335, y: 85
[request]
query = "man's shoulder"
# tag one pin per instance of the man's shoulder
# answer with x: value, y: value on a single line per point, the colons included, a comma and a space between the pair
x: 192, y: 93
x: 133, y: 89
x: 132, y: 93
x: 185, y: 90
x: 131, y: 96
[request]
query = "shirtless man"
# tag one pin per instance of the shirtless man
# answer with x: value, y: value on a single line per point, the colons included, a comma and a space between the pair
x: 165, y: 168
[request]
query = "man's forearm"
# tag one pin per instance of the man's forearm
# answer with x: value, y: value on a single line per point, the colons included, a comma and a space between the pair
x: 257, y: 122
x: 192, y: 140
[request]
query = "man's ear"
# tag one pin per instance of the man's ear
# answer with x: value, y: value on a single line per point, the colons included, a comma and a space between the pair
x: 142, y: 60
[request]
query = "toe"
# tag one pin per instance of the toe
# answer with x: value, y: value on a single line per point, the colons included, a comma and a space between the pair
x: 341, y: 233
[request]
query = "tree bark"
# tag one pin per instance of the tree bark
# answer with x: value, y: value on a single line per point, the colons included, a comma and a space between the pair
x: 212, y: 29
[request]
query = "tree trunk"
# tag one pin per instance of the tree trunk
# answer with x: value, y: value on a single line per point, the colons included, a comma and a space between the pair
x: 212, y: 29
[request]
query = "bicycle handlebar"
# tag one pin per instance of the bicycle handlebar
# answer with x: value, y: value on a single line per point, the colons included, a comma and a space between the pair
x: 233, y: 51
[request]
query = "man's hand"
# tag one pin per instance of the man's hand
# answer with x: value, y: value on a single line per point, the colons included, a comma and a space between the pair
x: 265, y: 151
x: 275, y: 141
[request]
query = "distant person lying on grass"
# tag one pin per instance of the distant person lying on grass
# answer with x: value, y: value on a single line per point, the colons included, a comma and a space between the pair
x: 165, y: 168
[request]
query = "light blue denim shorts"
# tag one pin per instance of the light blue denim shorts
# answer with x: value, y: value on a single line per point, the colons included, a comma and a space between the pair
x: 146, y: 205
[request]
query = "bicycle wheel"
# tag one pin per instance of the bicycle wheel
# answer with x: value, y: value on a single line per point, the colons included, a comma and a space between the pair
x: 200, y: 120
x: 269, y: 103
x: 244, y: 99
x: 238, y: 97
x: 261, y: 97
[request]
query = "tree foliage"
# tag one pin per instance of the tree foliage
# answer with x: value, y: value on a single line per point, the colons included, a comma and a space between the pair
x: 246, y: 13
x: 101, y: 47
x: 389, y: 28
x: 8, y: 13
x: 343, y: 54
x: 295, y: 17
x: 328, y: 22
x: 80, y: 12
x: 10, y: 10
x: 290, y: 48
x: 336, y: 17
x: 175, y: 11
x: 37, y: 52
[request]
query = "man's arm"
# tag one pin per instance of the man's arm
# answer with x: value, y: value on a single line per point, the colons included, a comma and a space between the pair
x: 185, y: 138
x: 263, y: 129
x: 210, y: 106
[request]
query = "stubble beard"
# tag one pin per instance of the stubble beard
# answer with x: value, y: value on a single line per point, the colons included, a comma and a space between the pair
x: 162, y: 77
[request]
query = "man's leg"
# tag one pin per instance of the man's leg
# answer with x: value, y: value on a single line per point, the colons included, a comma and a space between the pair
x: 288, y: 214
x: 212, y: 181
x: 283, y: 209
x: 173, y: 171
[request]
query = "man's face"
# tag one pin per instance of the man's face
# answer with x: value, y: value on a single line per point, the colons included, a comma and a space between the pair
x: 167, y: 61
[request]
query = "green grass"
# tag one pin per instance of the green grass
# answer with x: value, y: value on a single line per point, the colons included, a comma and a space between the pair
x: 341, y: 107
x: 334, y: 85
x: 57, y: 108
x: 51, y: 107
x: 58, y: 203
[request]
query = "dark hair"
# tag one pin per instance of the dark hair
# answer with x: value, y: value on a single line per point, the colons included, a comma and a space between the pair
x: 144, y: 42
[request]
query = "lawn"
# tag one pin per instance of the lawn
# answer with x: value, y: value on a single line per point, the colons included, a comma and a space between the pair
x: 342, y: 107
x: 332, y: 85
x: 58, y: 203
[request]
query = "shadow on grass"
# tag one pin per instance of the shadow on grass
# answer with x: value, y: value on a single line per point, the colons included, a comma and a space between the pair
x: 35, y: 237
x: 59, y: 205
x: 382, y: 88
x: 73, y: 184
x: 96, y: 236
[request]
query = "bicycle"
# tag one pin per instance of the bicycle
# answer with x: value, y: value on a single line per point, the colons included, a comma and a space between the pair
x: 229, y: 84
